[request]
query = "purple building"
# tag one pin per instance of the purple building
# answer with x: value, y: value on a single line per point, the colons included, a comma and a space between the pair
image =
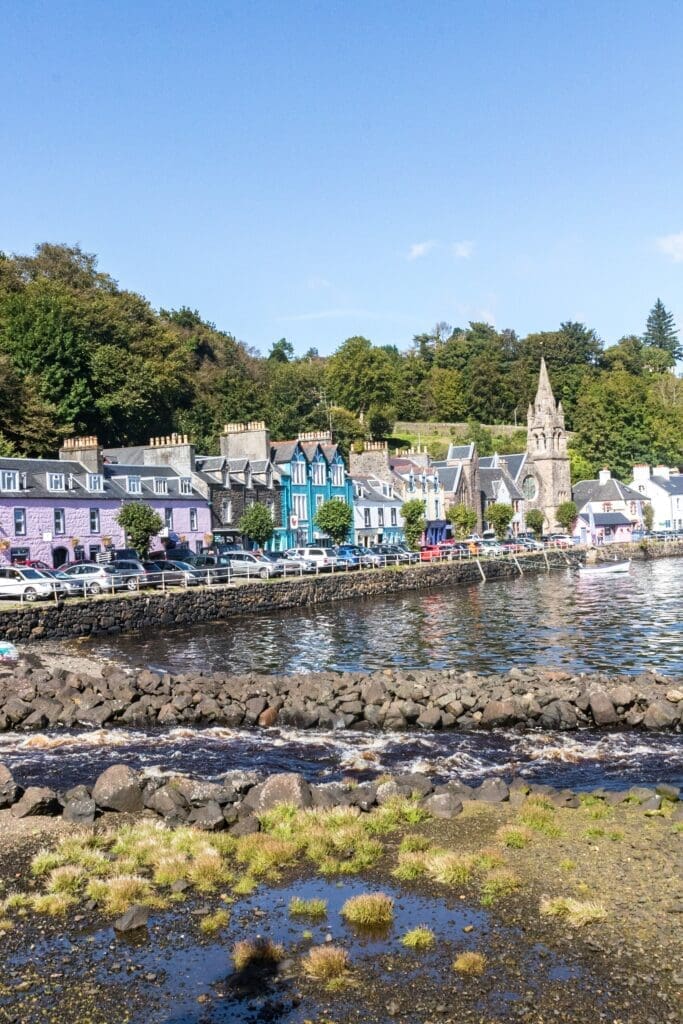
x: 60, y: 510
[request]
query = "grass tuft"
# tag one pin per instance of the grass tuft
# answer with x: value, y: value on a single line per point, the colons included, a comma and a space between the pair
x: 419, y: 938
x: 369, y: 910
x: 470, y: 963
x: 54, y: 904
x: 576, y: 913
x: 326, y: 963
x: 216, y: 922
x: 252, y: 951
x: 450, y: 868
x: 516, y: 837
x: 498, y: 884
x: 299, y: 907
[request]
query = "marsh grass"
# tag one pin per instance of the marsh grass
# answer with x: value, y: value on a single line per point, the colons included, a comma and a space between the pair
x: 470, y: 963
x: 421, y: 937
x: 450, y: 868
x: 6, y: 925
x: 369, y: 910
x: 567, y: 864
x: 515, y: 837
x: 497, y: 884
x: 299, y: 907
x: 326, y: 963
x: 67, y: 878
x: 211, y: 924
x: 54, y: 904
x: 248, y: 952
x: 119, y: 892
x: 538, y: 814
x: 412, y: 865
x: 576, y: 913
x: 413, y: 843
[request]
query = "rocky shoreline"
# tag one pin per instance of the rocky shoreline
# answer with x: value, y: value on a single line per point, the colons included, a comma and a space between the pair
x: 238, y: 801
x: 33, y: 697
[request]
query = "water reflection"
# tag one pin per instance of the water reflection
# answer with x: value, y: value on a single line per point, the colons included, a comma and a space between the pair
x: 625, y: 623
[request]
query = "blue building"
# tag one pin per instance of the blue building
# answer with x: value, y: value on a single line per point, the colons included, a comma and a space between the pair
x: 311, y: 471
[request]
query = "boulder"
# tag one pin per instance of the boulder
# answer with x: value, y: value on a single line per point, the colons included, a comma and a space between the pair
x: 492, y: 791
x: 37, y: 800
x: 246, y: 826
x: 118, y: 789
x: 10, y: 791
x: 661, y: 715
x: 499, y: 712
x: 209, y: 818
x: 134, y: 918
x: 387, y: 791
x: 668, y: 792
x: 602, y: 708
x: 268, y: 718
x: 80, y: 810
x: 430, y: 719
x: 284, y: 788
x: 169, y: 802
x: 622, y: 695
x: 559, y: 714
x: 443, y: 805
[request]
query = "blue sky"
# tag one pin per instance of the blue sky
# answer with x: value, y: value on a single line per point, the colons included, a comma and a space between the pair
x: 316, y: 170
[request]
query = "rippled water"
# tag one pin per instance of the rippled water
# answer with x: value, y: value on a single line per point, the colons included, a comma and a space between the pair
x: 581, y: 760
x: 626, y: 623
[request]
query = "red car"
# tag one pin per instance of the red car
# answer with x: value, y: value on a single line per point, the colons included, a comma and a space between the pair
x: 430, y: 553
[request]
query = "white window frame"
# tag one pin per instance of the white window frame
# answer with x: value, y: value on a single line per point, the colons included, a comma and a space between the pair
x: 337, y: 472
x: 19, y: 522
x: 300, y: 507
x: 95, y: 482
x: 134, y: 485
x: 59, y: 531
x: 168, y: 518
x: 299, y: 472
x: 160, y: 485
x: 226, y: 510
x: 193, y: 520
x: 9, y: 479
x: 56, y: 482
x: 185, y: 485
x: 94, y: 518
x: 318, y: 474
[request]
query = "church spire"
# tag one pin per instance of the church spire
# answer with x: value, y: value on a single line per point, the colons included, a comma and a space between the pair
x: 545, y: 419
x: 544, y: 392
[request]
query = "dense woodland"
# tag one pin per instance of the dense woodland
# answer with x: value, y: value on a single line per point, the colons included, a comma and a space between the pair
x: 80, y: 355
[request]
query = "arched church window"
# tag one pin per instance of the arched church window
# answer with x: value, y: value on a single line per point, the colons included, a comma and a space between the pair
x: 529, y: 488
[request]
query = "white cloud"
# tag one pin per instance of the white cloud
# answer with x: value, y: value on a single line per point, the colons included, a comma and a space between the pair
x: 318, y: 283
x: 672, y: 246
x: 420, y: 249
x: 463, y: 250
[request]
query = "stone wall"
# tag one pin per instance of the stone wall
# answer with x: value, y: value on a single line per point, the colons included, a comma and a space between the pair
x: 134, y: 613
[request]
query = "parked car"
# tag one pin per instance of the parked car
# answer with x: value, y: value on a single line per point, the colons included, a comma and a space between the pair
x: 388, y: 554
x: 430, y: 553
x: 406, y: 554
x: 37, y: 563
x: 245, y: 563
x: 367, y: 559
x: 136, y: 572
x: 290, y: 566
x: 559, y: 540
x: 324, y: 558
x: 63, y: 583
x: 491, y: 547
x: 530, y: 544
x: 347, y: 557
x: 170, y: 574
x: 95, y: 579
x: 213, y: 568
x: 24, y: 582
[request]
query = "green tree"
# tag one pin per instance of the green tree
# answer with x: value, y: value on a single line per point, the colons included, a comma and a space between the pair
x: 360, y: 376
x: 257, y: 524
x: 661, y: 331
x: 463, y: 519
x: 414, y: 523
x: 140, y: 524
x: 380, y: 422
x: 612, y: 423
x: 499, y: 515
x: 648, y: 515
x: 334, y: 517
x: 535, y: 520
x: 281, y: 351
x: 566, y: 515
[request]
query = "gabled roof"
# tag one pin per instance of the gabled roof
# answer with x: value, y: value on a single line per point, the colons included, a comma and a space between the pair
x: 373, y: 493
x: 612, y: 490
x: 210, y: 463
x: 450, y: 477
x: 491, y: 480
x: 282, y: 451
x: 515, y: 463
x: 147, y: 475
x: 674, y: 485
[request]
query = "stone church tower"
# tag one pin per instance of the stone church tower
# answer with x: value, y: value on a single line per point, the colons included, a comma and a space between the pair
x: 547, y: 481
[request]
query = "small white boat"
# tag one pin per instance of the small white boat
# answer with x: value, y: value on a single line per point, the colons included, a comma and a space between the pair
x: 605, y: 568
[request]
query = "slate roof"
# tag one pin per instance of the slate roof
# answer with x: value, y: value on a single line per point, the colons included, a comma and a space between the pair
x: 133, y: 456
x: 373, y: 495
x: 674, y: 485
x: 450, y: 477
x: 36, y: 471
x: 612, y: 490
x: 209, y: 463
x: 460, y: 451
x: 491, y: 479
x: 515, y: 463
x: 148, y: 474
x: 607, y: 519
x: 282, y: 451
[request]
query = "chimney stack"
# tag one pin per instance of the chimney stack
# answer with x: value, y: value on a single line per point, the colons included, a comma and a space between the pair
x: 85, y: 450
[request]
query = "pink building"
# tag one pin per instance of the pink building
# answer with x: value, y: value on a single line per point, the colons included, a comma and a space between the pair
x: 60, y: 510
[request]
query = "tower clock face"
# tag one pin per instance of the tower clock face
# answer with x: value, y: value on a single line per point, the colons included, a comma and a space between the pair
x: 529, y: 488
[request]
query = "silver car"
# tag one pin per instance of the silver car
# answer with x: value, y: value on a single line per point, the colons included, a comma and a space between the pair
x: 96, y: 579
x: 25, y: 583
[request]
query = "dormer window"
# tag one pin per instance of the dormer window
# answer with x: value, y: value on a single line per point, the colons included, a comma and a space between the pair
x: 160, y: 485
x: 133, y: 485
x: 337, y: 476
x: 318, y: 473
x: 299, y: 472
x: 9, y: 480
x: 186, y: 485
x: 95, y: 482
x: 55, y: 482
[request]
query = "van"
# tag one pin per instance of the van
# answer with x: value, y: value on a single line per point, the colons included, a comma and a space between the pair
x: 324, y: 559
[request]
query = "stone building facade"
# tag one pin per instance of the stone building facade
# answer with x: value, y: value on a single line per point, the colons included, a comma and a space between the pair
x: 546, y: 478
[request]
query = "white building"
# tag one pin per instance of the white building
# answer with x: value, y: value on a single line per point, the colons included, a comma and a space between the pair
x: 376, y: 512
x: 664, y: 487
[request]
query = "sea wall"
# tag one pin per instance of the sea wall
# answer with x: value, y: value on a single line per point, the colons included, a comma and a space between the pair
x: 393, y: 699
x: 136, y: 613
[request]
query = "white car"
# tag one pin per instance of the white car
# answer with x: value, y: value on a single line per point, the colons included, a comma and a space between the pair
x: 324, y: 559
x: 25, y: 583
